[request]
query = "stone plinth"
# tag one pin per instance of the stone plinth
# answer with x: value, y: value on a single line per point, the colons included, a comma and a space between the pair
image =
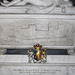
x: 55, y: 65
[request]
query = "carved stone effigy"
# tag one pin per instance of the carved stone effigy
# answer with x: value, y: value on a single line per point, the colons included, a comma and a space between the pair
x: 37, y: 23
x: 38, y: 7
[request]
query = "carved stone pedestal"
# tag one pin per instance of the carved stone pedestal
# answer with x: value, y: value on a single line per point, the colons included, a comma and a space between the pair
x: 2, y: 51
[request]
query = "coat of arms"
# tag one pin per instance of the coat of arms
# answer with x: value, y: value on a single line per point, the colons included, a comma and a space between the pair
x: 37, y: 54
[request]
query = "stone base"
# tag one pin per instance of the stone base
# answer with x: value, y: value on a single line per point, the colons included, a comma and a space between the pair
x: 18, y: 65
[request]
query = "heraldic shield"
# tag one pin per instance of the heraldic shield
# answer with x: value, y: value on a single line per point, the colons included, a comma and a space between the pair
x: 37, y: 55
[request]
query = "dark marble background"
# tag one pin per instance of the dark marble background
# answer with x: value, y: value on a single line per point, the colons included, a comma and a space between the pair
x: 73, y: 1
x: 25, y: 52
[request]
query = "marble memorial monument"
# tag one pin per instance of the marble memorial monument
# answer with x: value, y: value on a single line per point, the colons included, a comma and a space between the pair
x: 25, y: 23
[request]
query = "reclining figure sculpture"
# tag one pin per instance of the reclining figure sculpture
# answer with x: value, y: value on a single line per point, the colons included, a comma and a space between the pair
x: 37, y: 6
x: 43, y: 3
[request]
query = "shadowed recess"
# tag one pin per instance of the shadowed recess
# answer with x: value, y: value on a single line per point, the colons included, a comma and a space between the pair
x: 25, y: 52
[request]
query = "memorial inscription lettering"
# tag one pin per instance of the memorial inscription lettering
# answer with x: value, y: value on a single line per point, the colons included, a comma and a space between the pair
x: 36, y: 70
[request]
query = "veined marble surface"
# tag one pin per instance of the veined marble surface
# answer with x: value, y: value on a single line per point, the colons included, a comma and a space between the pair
x: 23, y: 31
x: 43, y: 29
x: 51, y: 59
x: 18, y: 64
x: 51, y: 31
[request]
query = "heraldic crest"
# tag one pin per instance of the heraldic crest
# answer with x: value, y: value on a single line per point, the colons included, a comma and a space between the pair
x: 37, y: 55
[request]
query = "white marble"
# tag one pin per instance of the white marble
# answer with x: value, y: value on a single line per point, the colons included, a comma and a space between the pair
x: 51, y: 31
x: 23, y: 31
x: 44, y: 3
x: 3, y: 58
x: 38, y: 7
x: 48, y: 31
x: 55, y: 65
x: 14, y: 59
x: 34, y: 70
x: 51, y: 59
x: 24, y: 58
x: 49, y: 10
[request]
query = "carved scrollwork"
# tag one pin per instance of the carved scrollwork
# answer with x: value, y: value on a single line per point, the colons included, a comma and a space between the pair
x: 71, y: 52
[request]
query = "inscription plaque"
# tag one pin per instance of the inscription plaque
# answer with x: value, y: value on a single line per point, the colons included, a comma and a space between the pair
x: 34, y: 70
